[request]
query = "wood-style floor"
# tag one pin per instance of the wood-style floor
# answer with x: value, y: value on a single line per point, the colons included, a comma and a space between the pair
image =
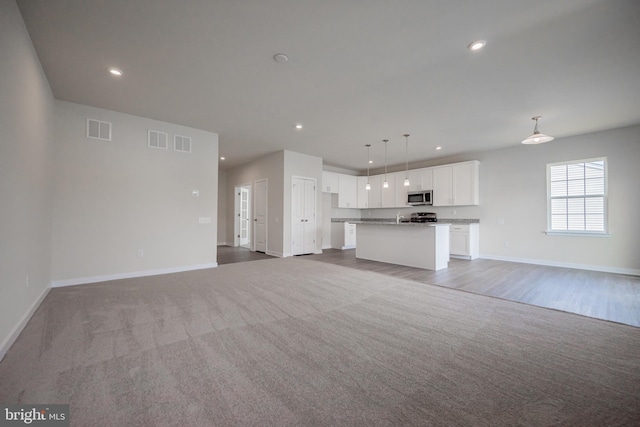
x: 608, y: 296
x: 231, y: 255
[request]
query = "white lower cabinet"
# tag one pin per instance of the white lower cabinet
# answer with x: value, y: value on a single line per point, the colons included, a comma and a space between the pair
x: 464, y: 240
x: 343, y: 235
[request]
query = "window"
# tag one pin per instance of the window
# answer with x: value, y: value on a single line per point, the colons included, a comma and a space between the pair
x: 577, y: 197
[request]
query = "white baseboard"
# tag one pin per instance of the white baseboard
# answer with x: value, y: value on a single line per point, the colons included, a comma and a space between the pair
x: 602, y: 268
x: 129, y: 275
x: 22, y: 323
x: 348, y: 247
x: 275, y: 254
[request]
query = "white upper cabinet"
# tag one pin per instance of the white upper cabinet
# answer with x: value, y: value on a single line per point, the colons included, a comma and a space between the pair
x: 330, y: 182
x: 401, y: 190
x: 375, y: 194
x: 421, y: 179
x: 347, y: 191
x: 456, y: 184
x: 389, y: 194
x: 363, y: 193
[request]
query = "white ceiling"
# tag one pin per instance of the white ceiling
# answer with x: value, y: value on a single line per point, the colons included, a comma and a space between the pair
x: 358, y: 71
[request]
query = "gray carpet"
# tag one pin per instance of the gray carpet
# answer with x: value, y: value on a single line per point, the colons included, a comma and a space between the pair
x: 296, y: 342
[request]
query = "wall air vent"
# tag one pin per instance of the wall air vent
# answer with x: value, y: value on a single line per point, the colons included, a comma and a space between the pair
x: 158, y: 139
x: 182, y: 143
x: 98, y: 130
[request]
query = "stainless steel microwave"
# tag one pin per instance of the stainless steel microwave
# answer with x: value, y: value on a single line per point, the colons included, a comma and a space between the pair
x: 419, y: 198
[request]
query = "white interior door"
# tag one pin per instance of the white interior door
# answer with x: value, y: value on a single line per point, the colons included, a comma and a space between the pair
x: 244, y: 217
x: 297, y: 216
x: 303, y: 216
x: 260, y: 215
x: 309, y: 216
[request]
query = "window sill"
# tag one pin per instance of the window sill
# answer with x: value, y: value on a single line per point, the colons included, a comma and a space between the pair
x: 576, y: 233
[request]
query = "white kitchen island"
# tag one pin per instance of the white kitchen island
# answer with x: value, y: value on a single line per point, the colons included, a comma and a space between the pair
x: 421, y: 245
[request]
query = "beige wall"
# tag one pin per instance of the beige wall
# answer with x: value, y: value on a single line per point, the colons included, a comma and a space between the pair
x: 270, y: 167
x: 26, y: 148
x: 112, y: 198
x: 305, y: 166
x: 278, y: 168
x: 513, y: 188
x: 222, y: 209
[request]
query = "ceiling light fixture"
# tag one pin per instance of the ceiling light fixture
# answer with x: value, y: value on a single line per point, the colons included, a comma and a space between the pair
x: 406, y: 160
x: 537, y: 137
x: 385, y: 184
x: 368, y: 186
x: 438, y: 148
x: 222, y: 158
x: 298, y: 126
x: 476, y: 45
x: 281, y: 58
x: 115, y: 71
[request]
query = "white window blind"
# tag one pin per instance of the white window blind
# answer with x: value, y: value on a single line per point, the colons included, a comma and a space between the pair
x: 577, y: 194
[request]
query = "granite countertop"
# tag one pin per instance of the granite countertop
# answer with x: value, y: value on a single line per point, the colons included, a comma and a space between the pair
x: 393, y: 221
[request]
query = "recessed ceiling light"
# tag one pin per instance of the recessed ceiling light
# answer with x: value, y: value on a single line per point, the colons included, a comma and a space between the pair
x: 281, y: 58
x: 477, y: 45
x: 370, y: 161
x: 298, y: 126
x: 438, y: 148
x: 222, y: 158
x: 115, y: 71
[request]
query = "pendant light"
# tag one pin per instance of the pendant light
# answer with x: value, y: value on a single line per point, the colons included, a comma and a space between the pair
x: 368, y: 186
x: 537, y: 137
x: 385, y: 184
x: 406, y: 160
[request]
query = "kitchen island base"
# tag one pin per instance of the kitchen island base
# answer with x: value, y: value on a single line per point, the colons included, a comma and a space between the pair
x: 414, y: 245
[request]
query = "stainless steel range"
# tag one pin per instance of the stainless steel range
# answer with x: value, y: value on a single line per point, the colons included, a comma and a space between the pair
x: 423, y: 217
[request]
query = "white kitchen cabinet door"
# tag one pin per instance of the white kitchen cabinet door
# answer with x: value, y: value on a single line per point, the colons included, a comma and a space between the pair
x: 349, y: 235
x: 375, y: 194
x: 456, y: 184
x: 464, y: 240
x: 465, y: 183
x: 303, y: 216
x: 330, y: 182
x: 363, y: 193
x: 427, y: 179
x: 347, y: 191
x: 415, y: 180
x: 443, y: 186
x: 389, y: 194
x: 401, y: 190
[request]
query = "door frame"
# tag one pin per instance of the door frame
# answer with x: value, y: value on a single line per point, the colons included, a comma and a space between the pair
x: 236, y: 214
x: 266, y: 215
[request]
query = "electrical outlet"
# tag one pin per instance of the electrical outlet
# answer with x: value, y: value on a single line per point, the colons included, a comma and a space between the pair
x: 140, y: 253
x: 506, y: 243
x: 500, y: 221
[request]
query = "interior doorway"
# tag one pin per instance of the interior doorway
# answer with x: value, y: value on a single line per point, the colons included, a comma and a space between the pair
x: 260, y: 215
x: 242, y: 229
